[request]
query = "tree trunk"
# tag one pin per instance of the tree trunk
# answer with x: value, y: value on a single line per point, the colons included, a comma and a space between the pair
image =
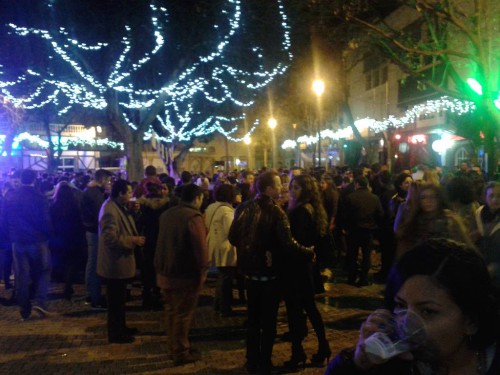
x: 171, y: 165
x: 491, y: 131
x: 491, y: 151
x: 350, y: 120
x: 133, y: 150
x: 179, y: 159
x: 51, y: 158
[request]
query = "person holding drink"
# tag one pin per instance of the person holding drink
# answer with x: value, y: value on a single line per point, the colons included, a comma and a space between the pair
x: 444, y: 287
x: 118, y: 238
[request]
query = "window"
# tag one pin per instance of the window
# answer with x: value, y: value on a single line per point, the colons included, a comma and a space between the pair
x: 461, y: 156
x: 376, y: 77
x: 67, y: 164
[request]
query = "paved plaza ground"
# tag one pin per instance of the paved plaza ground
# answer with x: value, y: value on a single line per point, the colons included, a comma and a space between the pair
x: 73, y: 341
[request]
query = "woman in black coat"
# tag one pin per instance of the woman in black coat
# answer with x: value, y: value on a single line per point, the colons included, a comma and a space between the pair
x: 68, y: 242
x: 308, y: 223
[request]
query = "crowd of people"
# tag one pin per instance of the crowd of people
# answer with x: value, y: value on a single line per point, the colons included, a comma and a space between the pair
x: 270, y: 235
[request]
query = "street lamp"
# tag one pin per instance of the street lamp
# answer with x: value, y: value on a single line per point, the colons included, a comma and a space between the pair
x: 272, y: 123
x: 295, y: 153
x: 248, y: 141
x: 318, y: 87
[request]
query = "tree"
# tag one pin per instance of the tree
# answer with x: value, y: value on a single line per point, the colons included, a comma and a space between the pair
x: 450, y: 47
x: 194, y: 64
x: 12, y: 116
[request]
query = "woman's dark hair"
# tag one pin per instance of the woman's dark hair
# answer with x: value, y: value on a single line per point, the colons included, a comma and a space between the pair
x: 119, y: 187
x: 153, y: 190
x: 491, y: 185
x: 225, y: 193
x: 310, y: 194
x: 398, y: 181
x: 461, y: 190
x: 459, y: 270
x: 64, y: 198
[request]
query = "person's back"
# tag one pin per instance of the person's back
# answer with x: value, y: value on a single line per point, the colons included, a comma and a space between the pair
x: 92, y: 199
x: 261, y: 233
x: 259, y: 237
x: 29, y: 228
x: 27, y: 214
x: 363, y: 212
x: 181, y: 262
x: 362, y: 209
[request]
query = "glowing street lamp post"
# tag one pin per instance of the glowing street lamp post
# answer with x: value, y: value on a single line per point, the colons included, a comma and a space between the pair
x: 318, y: 87
x: 248, y: 141
x: 272, y: 123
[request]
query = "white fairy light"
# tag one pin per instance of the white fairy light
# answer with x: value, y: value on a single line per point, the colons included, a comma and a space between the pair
x: 213, y: 77
x: 410, y: 116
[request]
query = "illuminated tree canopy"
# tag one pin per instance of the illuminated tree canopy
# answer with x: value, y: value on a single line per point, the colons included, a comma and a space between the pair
x: 183, y: 68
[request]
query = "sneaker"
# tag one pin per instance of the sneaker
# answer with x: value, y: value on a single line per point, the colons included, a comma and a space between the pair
x: 98, y: 307
x: 42, y: 311
x: 25, y: 316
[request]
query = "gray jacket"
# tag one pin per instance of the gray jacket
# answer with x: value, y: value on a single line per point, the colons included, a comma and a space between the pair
x: 115, y: 257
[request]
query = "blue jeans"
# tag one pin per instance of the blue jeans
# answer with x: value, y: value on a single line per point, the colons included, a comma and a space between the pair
x: 31, y: 264
x: 92, y: 280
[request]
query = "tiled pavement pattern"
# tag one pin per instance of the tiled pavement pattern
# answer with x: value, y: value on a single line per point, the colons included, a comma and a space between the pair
x: 74, y: 340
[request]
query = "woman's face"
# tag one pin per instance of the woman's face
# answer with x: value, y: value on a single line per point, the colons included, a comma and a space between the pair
x: 164, y: 190
x: 429, y: 200
x: 493, y: 198
x: 323, y: 185
x: 446, y: 326
x: 295, y: 191
x: 406, y: 183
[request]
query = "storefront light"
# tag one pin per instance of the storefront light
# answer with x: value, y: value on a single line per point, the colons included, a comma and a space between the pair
x: 418, y: 139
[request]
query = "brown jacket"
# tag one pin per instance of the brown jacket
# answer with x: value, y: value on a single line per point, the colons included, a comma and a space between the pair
x: 181, y: 257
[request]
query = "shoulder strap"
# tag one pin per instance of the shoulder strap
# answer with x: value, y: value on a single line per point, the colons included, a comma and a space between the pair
x: 213, y: 215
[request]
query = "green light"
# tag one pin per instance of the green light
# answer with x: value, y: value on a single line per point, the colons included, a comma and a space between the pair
x: 497, y: 101
x: 345, y: 146
x: 475, y: 86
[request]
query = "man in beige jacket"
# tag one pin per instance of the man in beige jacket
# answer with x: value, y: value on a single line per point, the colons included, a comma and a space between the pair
x: 118, y: 239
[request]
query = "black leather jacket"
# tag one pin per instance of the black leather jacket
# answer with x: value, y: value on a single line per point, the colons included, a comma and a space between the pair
x: 261, y: 233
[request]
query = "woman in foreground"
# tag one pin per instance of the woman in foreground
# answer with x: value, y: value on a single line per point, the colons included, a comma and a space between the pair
x: 448, y: 287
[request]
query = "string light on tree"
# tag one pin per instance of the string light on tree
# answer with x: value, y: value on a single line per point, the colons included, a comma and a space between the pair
x: 213, y: 77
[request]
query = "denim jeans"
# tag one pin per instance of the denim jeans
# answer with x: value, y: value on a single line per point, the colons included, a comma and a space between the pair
x: 31, y: 265
x: 92, y: 280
